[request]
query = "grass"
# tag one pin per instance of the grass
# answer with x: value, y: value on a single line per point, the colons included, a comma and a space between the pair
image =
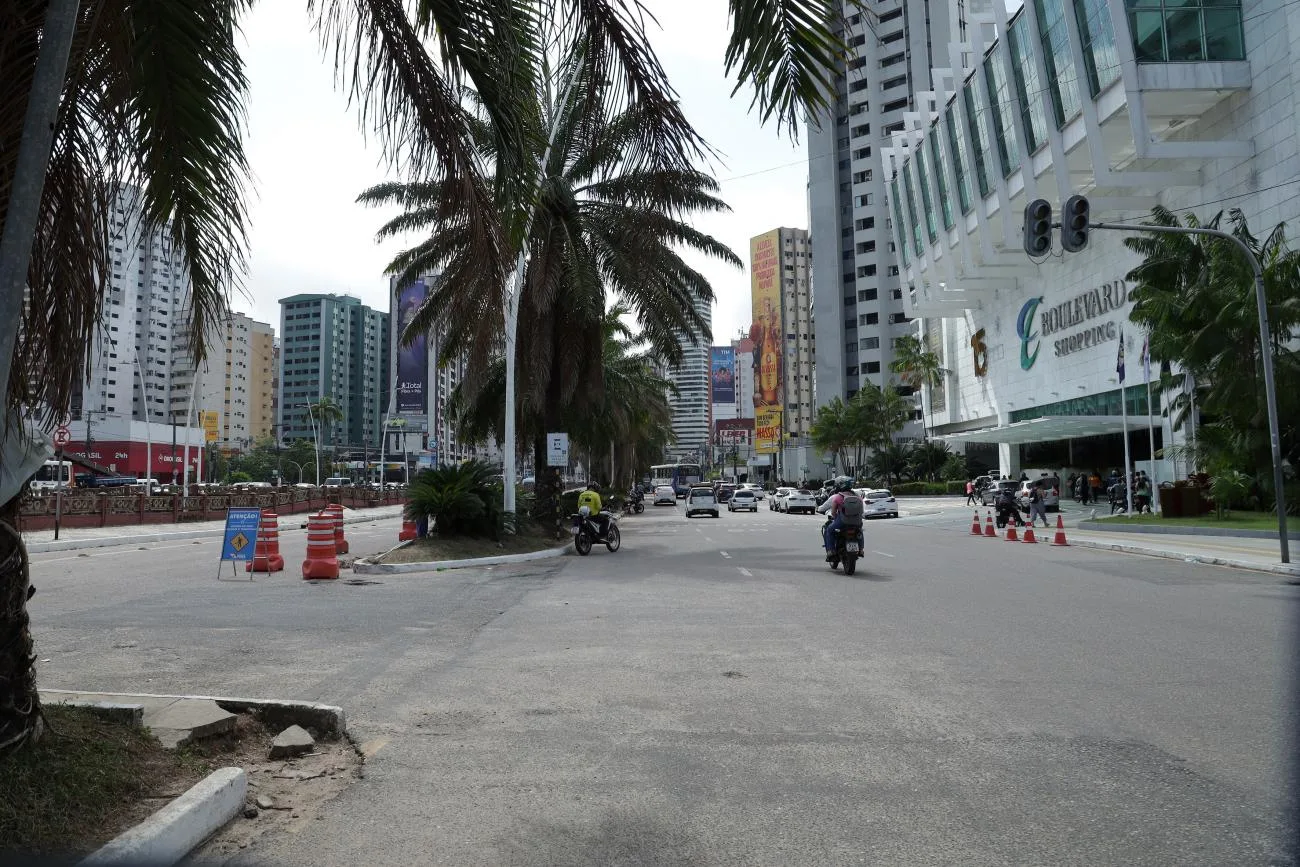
x: 1234, y: 521
x: 84, y: 782
x: 530, y: 537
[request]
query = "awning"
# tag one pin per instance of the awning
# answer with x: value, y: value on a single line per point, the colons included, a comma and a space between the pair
x: 1045, y: 429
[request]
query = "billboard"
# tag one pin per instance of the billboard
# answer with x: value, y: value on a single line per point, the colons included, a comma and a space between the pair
x: 722, y: 374
x: 733, y: 432
x: 210, y: 421
x: 413, y: 359
x: 766, y: 333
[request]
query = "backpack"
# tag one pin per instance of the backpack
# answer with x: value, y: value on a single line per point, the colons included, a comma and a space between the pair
x: 851, y: 508
x: 1035, y: 496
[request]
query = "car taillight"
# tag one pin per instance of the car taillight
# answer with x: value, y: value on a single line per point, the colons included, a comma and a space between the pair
x: 891, y: 499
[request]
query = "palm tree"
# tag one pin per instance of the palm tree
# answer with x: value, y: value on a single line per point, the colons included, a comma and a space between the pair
x: 888, y: 412
x: 326, y: 412
x: 918, y: 367
x: 831, y: 430
x: 154, y: 98
x: 610, y: 226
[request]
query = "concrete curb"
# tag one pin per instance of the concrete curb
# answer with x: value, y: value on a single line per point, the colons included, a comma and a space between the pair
x: 365, y: 567
x: 171, y: 833
x: 1288, y: 570
x: 327, y: 719
x: 143, y: 538
x: 1117, y: 525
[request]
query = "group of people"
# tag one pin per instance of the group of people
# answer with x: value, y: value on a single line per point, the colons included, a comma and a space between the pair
x: 1087, y: 488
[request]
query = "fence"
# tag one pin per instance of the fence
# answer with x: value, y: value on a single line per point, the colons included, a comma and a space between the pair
x: 82, y: 508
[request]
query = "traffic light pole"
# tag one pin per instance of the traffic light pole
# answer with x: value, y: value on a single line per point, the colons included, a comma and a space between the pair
x: 1266, y: 350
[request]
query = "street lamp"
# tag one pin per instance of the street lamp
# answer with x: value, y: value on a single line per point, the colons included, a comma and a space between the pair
x: 316, y: 436
x: 296, y: 464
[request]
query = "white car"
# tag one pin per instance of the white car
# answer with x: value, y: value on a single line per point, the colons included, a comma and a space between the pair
x: 879, y: 503
x: 759, y: 493
x: 741, y: 500
x: 701, y: 500
x: 799, y: 501
x: 665, y: 496
x: 775, y: 503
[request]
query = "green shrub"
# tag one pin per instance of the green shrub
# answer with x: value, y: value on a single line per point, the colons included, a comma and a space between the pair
x: 957, y: 487
x: 238, y: 478
x: 461, y: 500
x: 925, y: 489
x: 1229, y: 488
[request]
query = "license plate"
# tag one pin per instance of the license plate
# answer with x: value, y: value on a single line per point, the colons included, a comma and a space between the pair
x: 851, y: 547
x: 573, y: 530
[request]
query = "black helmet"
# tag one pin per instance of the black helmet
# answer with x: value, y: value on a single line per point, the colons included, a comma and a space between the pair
x: 593, y: 486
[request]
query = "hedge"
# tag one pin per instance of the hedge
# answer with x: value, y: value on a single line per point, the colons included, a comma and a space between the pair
x: 930, y: 489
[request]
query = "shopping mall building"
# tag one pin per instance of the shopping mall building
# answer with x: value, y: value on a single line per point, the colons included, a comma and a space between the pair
x: 1190, y: 104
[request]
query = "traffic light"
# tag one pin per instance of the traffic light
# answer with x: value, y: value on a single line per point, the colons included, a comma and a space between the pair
x: 1038, y: 227
x: 1074, y: 224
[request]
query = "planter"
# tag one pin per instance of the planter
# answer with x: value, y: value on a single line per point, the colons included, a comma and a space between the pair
x: 1171, y: 502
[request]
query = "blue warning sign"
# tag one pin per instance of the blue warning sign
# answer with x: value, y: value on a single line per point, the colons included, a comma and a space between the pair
x: 240, y: 538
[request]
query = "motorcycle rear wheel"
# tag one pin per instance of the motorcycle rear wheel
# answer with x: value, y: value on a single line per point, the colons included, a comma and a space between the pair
x: 582, y: 543
x: 612, y: 540
x: 850, y: 564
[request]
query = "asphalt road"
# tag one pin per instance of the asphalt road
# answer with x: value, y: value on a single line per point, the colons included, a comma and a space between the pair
x: 713, y: 694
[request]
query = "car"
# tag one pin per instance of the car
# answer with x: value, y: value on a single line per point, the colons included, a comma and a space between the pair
x: 724, y: 492
x: 742, y: 499
x: 799, y: 501
x: 337, y: 482
x: 701, y: 500
x: 758, y: 492
x: 989, y: 495
x: 1050, y: 488
x: 879, y: 503
x: 665, y: 496
x: 775, y: 502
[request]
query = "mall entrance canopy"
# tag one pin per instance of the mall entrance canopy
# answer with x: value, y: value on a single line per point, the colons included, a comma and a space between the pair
x: 1046, y: 429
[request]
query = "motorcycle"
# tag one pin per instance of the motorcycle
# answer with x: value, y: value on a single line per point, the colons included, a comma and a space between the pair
x: 634, y: 503
x: 848, y: 548
x: 587, y: 533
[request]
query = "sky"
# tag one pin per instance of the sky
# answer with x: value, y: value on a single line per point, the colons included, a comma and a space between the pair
x: 310, y: 159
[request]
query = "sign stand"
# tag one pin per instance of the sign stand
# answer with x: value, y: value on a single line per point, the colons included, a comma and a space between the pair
x: 239, y: 541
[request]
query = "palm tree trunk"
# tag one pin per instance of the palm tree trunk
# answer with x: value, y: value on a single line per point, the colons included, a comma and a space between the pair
x: 20, y: 706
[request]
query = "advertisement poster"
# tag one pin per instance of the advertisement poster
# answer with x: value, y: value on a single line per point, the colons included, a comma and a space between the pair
x: 412, y: 360
x: 722, y: 372
x: 210, y: 421
x: 734, y: 432
x: 766, y: 333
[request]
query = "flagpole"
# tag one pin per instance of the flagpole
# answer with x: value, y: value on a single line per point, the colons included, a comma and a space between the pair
x: 1123, y: 409
x: 1151, y: 427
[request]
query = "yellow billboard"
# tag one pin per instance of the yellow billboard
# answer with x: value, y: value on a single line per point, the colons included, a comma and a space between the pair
x: 766, y: 333
x: 210, y: 421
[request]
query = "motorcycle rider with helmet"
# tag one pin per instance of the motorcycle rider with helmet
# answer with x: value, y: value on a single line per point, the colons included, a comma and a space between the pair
x: 591, y: 499
x: 834, y: 505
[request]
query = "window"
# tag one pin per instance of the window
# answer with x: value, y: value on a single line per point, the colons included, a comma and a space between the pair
x: 917, y: 243
x: 1100, y: 59
x: 858, y: 131
x: 895, y: 105
x: 871, y: 367
x: 863, y: 200
x: 939, y: 175
x: 868, y: 318
x: 869, y: 343
x: 865, y: 247
x: 1062, y: 78
x: 865, y: 223
x: 896, y: 81
x: 866, y: 294
x: 979, y: 138
x: 862, y: 154
x: 1025, y: 76
x: 890, y: 16
x: 862, y: 177
x: 1167, y: 31
x: 866, y: 270
x: 923, y: 181
x: 1004, y: 126
x: 898, y: 319
x: 860, y: 84
x: 897, y: 199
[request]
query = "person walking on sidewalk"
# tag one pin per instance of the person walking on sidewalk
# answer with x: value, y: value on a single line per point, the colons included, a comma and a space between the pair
x: 1036, y: 508
x: 970, y: 493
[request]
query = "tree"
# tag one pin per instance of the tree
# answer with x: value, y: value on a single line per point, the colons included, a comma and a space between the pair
x: 154, y: 100
x: 918, y: 367
x: 929, y: 460
x: 1195, y: 296
x: 831, y: 432
x: 325, y: 412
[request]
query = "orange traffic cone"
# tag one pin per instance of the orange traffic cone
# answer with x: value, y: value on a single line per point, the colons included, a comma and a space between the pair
x: 989, y: 530
x: 1060, y: 532
x: 975, y: 525
x: 266, y: 556
x: 1029, y: 535
x: 408, y: 530
x: 1011, y: 532
x: 340, y: 543
x: 322, y: 561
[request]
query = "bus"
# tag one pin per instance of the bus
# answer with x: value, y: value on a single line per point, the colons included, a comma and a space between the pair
x: 680, y: 476
x: 52, y: 475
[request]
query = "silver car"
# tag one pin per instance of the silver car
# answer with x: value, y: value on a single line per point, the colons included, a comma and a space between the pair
x: 701, y: 501
x: 743, y: 500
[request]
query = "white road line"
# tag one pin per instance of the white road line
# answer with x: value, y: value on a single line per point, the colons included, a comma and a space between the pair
x: 745, y: 572
x: 882, y: 553
x: 725, y: 554
x: 707, y: 539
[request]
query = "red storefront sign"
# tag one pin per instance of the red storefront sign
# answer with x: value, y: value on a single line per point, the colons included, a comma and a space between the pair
x: 128, y: 458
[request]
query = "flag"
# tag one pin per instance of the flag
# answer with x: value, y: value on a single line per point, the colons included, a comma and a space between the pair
x: 1119, y: 362
x: 1146, y: 358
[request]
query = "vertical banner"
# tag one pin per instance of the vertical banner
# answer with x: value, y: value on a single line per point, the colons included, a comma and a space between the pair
x: 723, y: 374
x: 766, y: 333
x: 210, y: 420
x: 412, y: 360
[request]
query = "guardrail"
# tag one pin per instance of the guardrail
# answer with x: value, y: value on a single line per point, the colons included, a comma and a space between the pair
x: 86, y: 508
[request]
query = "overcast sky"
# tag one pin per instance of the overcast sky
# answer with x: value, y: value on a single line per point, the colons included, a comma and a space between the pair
x: 310, y: 159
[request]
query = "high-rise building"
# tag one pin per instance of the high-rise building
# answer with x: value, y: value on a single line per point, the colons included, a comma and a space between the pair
x: 333, y: 346
x: 232, y: 398
x: 690, y: 406
x: 857, y: 296
x: 261, y: 375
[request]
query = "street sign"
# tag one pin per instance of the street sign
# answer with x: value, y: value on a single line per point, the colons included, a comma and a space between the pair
x: 557, y: 449
x: 62, y: 436
x: 240, y: 538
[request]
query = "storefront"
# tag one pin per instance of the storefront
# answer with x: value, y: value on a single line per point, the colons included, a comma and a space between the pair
x: 130, y: 448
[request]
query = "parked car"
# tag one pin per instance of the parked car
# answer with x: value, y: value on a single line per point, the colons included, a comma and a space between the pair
x: 879, y: 503
x: 775, y: 502
x: 799, y: 501
x: 1048, y: 486
x: 337, y: 482
x: 990, y: 494
x: 742, y: 499
x: 665, y: 496
x: 701, y: 500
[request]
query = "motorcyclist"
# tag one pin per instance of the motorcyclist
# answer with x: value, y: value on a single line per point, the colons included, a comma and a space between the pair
x: 591, y: 499
x: 834, y: 506
x: 1007, y: 508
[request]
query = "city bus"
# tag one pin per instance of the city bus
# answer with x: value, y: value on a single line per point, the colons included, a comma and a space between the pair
x: 51, y: 475
x: 680, y: 476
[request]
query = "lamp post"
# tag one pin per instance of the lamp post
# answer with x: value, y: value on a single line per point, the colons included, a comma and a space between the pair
x: 316, y: 436
x: 296, y: 464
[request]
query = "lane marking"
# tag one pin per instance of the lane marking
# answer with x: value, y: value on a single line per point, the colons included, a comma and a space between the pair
x: 745, y: 572
x: 883, y: 554
x: 725, y: 554
x: 707, y: 539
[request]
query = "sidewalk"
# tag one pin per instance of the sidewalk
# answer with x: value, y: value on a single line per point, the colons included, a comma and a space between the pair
x: 1242, y: 553
x: 42, y: 541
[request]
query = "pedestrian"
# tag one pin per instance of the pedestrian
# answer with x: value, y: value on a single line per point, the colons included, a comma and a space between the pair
x: 1071, y: 487
x: 970, y: 493
x: 1036, y: 507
